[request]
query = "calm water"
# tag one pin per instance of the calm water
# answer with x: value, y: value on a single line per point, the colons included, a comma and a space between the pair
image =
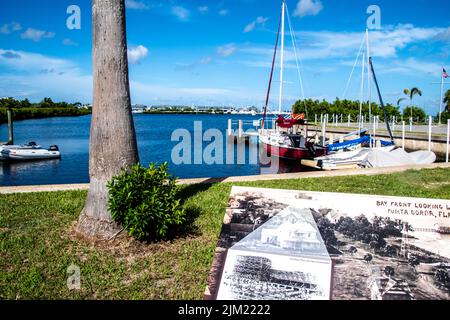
x: 154, y: 140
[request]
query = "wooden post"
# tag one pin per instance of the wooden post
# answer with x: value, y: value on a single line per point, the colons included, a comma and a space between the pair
x: 230, y: 129
x: 315, y: 119
x: 10, y: 127
x: 324, y: 131
x: 448, y: 140
x: 349, y: 118
x: 430, y: 128
x: 240, y: 129
x: 403, y: 134
x: 375, y: 133
x: 411, y: 124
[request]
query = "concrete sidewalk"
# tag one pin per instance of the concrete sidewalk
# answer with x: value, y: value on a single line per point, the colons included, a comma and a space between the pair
x: 286, y: 176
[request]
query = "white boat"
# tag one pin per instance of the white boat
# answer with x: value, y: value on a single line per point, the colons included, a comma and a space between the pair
x: 27, y: 152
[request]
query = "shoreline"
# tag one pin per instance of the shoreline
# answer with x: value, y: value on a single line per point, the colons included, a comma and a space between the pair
x: 237, y: 179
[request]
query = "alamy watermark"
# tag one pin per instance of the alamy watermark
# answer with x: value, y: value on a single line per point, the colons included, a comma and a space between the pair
x: 213, y: 147
x: 374, y: 20
x: 73, y: 22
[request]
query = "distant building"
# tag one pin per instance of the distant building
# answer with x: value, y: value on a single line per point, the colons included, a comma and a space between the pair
x: 138, y: 108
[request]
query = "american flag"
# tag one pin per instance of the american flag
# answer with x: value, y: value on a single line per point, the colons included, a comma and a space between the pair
x: 444, y: 73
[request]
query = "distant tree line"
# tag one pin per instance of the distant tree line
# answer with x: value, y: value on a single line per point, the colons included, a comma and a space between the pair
x: 446, y: 114
x: 24, y: 109
x: 349, y: 107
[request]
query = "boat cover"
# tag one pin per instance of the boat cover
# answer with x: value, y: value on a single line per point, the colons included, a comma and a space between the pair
x: 289, y: 123
x: 399, y: 157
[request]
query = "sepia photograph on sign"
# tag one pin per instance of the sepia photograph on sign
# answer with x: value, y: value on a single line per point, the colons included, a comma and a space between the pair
x: 282, y: 244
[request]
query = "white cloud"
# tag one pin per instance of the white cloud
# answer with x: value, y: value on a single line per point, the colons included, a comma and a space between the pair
x: 308, y: 8
x: 227, y: 50
x: 388, y: 43
x: 137, y: 54
x: 203, y: 9
x: 142, y: 91
x: 410, y: 66
x: 10, y: 28
x: 137, y: 5
x: 34, y: 62
x: 206, y: 60
x: 223, y: 12
x: 339, y: 49
x: 35, y: 76
x: 444, y: 35
x: 259, y: 21
x: 36, y: 35
x: 250, y: 27
x: 69, y: 42
x: 191, y: 66
x: 181, y: 13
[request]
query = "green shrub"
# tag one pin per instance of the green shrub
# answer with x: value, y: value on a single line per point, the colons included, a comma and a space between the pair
x: 144, y: 201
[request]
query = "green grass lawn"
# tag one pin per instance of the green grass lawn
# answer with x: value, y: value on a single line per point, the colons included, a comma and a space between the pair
x: 36, y: 245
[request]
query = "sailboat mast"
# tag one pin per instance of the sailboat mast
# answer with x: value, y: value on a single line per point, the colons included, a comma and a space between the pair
x: 281, y: 58
x: 369, y: 76
x: 386, y: 119
x: 362, y: 91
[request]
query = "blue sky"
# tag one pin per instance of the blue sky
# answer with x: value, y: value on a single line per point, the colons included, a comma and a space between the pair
x: 218, y: 52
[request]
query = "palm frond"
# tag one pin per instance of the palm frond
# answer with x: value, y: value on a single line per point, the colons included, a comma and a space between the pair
x: 415, y: 91
x: 400, y: 101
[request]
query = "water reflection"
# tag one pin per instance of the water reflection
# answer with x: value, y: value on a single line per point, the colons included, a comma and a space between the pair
x: 14, y: 170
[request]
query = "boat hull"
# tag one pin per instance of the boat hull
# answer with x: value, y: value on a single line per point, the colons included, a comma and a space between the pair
x: 292, y: 153
x: 28, y: 155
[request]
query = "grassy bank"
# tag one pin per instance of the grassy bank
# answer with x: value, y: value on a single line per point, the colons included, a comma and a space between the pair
x: 36, y: 245
x: 35, y: 113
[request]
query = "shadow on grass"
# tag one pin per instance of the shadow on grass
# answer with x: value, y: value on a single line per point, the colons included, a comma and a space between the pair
x: 188, y: 228
x: 188, y: 191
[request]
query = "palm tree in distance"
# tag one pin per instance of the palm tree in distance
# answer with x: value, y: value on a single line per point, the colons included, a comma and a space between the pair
x: 112, y: 140
x: 410, y: 93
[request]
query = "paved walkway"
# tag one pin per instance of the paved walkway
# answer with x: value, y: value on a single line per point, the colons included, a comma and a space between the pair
x: 299, y: 175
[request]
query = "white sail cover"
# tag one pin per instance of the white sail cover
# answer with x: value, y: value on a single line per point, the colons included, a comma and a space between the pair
x: 399, y: 157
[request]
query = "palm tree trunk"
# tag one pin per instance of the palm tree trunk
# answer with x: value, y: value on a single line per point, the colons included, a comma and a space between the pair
x: 113, y: 140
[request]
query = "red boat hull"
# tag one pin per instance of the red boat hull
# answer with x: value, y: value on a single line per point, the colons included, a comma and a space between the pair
x: 292, y: 153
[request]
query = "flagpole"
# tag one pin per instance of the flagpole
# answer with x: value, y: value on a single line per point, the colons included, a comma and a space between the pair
x: 442, y: 96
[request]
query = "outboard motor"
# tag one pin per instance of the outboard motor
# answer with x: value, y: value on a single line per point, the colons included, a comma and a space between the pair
x: 53, y: 148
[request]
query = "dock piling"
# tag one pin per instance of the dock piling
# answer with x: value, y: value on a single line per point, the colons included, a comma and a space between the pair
x: 430, y: 128
x: 403, y: 134
x: 448, y: 140
x: 240, y: 129
x: 324, y: 130
x: 10, y: 127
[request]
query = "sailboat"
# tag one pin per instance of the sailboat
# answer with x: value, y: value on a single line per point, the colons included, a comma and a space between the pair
x: 290, y: 139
